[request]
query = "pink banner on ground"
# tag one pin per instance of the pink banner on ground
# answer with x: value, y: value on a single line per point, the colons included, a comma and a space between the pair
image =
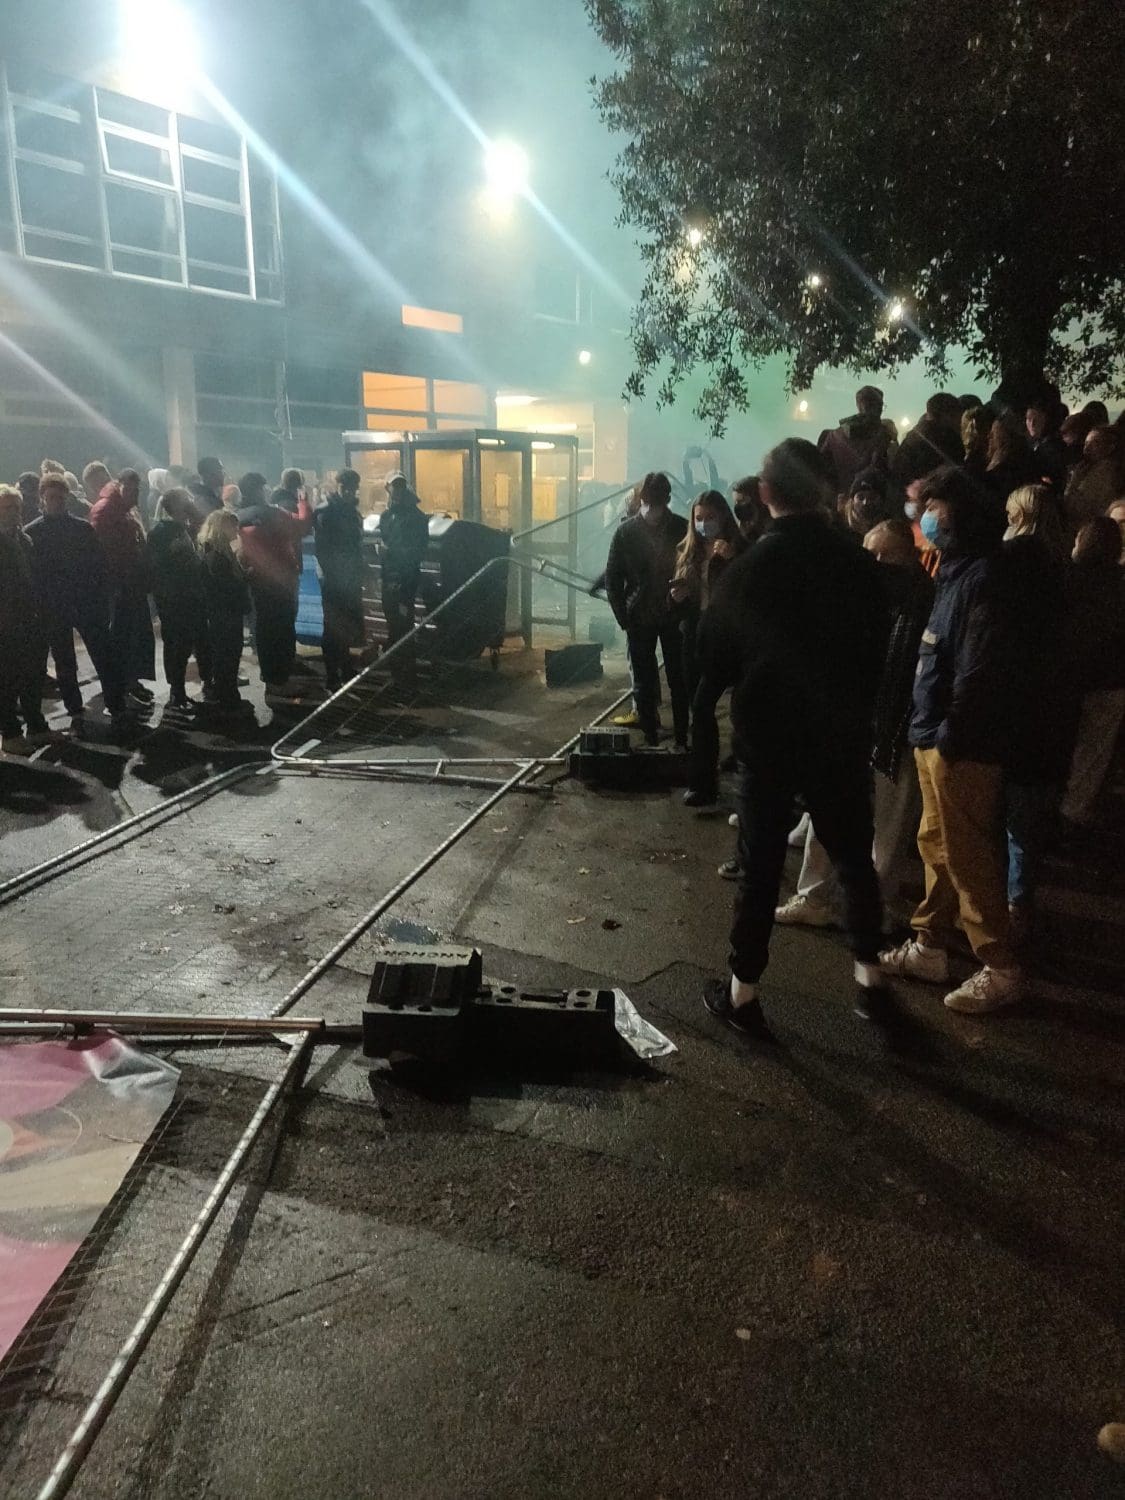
x: 73, y: 1119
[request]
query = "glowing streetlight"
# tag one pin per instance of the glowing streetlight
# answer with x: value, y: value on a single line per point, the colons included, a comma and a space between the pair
x: 158, y: 39
x: 695, y: 237
x: 816, y: 281
x: 803, y: 408
x: 904, y: 423
x: 896, y: 312
x: 584, y: 356
x: 506, y: 169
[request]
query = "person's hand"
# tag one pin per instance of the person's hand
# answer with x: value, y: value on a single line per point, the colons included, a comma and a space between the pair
x: 722, y: 549
x: 679, y: 592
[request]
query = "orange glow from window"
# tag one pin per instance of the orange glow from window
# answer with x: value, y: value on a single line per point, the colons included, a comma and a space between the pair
x: 394, y: 393
x: 428, y: 317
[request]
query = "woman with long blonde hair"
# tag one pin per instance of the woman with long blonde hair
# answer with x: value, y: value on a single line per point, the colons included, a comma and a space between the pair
x: 228, y: 602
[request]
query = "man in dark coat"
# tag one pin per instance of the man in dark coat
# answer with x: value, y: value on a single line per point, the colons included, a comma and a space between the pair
x: 22, y: 641
x: 966, y: 705
x: 934, y: 441
x: 338, y: 534
x: 638, y: 582
x: 404, y: 536
x: 207, y: 489
x: 176, y: 569
x: 72, y: 588
x: 863, y: 441
x: 800, y: 623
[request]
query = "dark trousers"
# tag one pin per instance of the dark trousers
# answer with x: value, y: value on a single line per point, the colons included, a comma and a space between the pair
x: 398, y: 607
x: 132, y: 647
x: 95, y: 637
x: 343, y: 629
x: 835, y: 783
x: 643, y: 643
x: 705, y: 736
x: 184, y: 632
x: 21, y: 693
x: 225, y: 643
x: 275, y: 633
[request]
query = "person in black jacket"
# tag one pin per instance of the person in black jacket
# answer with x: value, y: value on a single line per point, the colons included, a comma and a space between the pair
x: 800, y: 624
x: 176, y: 569
x: 72, y: 588
x: 228, y: 600
x: 338, y: 534
x: 910, y: 594
x: 23, y: 645
x: 934, y: 441
x: 404, y: 536
x: 966, y: 703
x: 638, y: 581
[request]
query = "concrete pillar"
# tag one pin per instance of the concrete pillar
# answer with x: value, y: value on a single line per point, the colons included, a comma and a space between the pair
x: 179, y: 402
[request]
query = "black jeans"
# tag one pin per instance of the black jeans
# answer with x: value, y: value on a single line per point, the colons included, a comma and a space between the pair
x: 398, y: 607
x: 184, y: 632
x: 343, y: 629
x: 705, y: 736
x: 21, y: 693
x: 836, y: 785
x: 643, y: 643
x: 275, y: 631
x: 225, y: 641
x: 95, y: 637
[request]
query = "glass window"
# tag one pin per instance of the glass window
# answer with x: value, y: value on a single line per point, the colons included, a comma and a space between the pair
x: 442, y: 479
x: 393, y: 421
x: 53, y: 199
x: 151, y: 267
x: 374, y: 467
x: 457, y: 396
x: 49, y: 135
x: 69, y: 252
x: 501, y: 488
x: 139, y: 159
x: 395, y: 392
x: 140, y: 220
x: 132, y: 112
x: 210, y: 279
x: 205, y: 135
x: 215, y: 236
x: 212, y: 181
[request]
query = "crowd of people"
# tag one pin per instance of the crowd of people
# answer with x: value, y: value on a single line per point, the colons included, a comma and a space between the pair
x: 101, y: 557
x: 925, y: 646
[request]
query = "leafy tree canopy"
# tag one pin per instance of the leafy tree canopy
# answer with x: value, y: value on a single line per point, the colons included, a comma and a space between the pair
x: 858, y: 185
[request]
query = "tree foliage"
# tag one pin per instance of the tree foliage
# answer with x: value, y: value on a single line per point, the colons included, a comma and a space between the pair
x: 964, y: 160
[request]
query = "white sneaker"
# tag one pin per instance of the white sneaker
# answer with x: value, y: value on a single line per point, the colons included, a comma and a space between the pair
x: 798, y: 834
x: 987, y: 989
x: 914, y: 960
x: 733, y: 820
x: 800, y: 911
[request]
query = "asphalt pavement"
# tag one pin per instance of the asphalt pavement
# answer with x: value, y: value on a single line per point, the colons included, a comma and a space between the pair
x: 856, y: 1264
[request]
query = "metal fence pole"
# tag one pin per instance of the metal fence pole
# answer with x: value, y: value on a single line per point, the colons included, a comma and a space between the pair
x: 63, y: 1474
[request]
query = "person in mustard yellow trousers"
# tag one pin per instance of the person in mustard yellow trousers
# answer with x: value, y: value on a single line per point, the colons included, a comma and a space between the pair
x: 964, y: 713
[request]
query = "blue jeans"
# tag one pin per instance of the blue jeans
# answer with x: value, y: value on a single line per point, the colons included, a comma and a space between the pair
x: 1027, y: 812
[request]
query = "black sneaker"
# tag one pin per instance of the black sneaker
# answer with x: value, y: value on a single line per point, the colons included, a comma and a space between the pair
x: 695, y: 797
x: 210, y: 693
x: 747, y: 1019
x: 141, y: 693
x: 730, y: 869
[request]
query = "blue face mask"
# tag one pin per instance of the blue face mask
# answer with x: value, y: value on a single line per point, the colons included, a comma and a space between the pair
x: 709, y: 530
x: 933, y: 530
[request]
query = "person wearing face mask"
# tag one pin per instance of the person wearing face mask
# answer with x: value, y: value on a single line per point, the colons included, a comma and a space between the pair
x: 642, y: 561
x: 910, y: 594
x: 866, y: 504
x: 712, y: 542
x: 961, y: 730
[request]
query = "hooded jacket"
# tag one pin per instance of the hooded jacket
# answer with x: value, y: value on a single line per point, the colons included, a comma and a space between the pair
x: 339, y: 545
x: 863, y: 441
x: 176, y: 568
x: 271, y: 544
x: 118, y: 529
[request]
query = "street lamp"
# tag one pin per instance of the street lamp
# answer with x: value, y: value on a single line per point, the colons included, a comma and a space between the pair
x: 506, y: 169
x: 695, y: 237
x: 896, y: 312
x: 584, y: 356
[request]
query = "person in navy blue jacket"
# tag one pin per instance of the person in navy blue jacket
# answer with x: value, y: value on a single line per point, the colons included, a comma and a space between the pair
x: 965, y: 710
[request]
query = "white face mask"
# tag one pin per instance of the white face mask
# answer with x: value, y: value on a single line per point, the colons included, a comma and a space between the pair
x: 653, y: 514
x: 709, y: 530
x: 911, y: 510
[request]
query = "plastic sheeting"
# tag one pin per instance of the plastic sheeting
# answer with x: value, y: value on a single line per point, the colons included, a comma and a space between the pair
x: 73, y: 1118
x: 643, y: 1037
